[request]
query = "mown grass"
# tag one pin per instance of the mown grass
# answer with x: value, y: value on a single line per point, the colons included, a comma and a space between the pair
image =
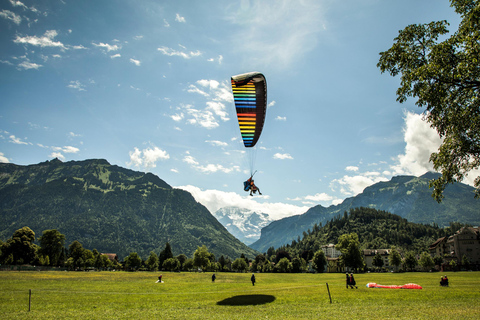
x: 122, y: 295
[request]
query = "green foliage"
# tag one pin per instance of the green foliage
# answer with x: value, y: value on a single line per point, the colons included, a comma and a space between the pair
x: 239, y: 265
x: 426, y: 261
x: 349, y: 245
x: 394, y: 259
x: 378, y: 261
x: 133, y: 261
x: 284, y: 265
x: 410, y: 260
x: 52, y: 243
x: 202, y: 258
x: 319, y: 261
x: 171, y: 264
x: 444, y: 77
x: 152, y: 262
x: 20, y: 249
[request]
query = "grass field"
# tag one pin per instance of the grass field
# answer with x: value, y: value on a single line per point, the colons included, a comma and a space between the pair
x: 122, y: 295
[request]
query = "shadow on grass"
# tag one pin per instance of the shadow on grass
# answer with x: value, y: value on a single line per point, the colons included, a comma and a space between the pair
x: 247, y: 300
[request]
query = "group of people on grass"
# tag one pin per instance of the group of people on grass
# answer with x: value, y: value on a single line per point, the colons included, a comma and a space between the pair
x: 351, y: 281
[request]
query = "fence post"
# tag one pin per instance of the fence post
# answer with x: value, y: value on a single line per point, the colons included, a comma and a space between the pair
x: 329, y: 294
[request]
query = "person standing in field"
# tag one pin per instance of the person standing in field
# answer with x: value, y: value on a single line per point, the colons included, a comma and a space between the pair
x: 352, y: 281
x: 214, y: 277
x: 253, y: 279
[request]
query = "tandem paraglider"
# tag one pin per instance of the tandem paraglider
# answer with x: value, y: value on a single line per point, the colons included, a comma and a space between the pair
x: 250, y: 96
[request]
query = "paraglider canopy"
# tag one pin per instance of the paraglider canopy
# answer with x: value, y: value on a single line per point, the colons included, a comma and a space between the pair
x: 250, y: 96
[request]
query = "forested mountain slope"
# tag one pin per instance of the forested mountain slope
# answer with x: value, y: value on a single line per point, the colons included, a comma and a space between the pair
x: 109, y: 208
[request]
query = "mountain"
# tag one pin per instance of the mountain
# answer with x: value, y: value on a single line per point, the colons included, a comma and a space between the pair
x: 406, y: 196
x: 243, y: 223
x: 109, y: 208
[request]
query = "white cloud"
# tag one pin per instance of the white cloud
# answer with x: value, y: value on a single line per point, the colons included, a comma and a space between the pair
x: 16, y: 140
x: 421, y: 140
x: 45, y: 41
x: 135, y: 62
x: 177, y: 117
x: 77, y: 85
x: 179, y: 18
x: 209, y: 168
x: 215, y: 199
x: 26, y: 65
x: 66, y: 149
x: 9, y: 15
x: 312, y: 200
x: 278, y: 118
x: 147, y: 158
x: 217, y: 143
x: 107, y: 46
x: 351, y: 168
x: 166, y: 24
x: 3, y: 159
x: 190, y: 160
x: 282, y: 156
x: 271, y: 104
x: 353, y: 185
x: 118, y: 55
x: 57, y: 155
x: 172, y: 52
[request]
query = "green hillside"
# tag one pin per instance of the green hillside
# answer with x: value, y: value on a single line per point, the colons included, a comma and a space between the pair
x: 406, y: 196
x: 109, y: 208
x: 376, y: 229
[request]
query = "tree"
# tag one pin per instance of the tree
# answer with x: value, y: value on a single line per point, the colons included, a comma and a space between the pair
x: 378, y: 261
x: 171, y: 264
x: 152, y: 262
x: 165, y: 253
x: 319, y: 261
x: 20, y: 249
x: 182, y: 258
x: 133, y: 261
x: 426, y: 261
x: 444, y: 77
x: 75, y: 253
x: 51, y: 245
x: 239, y: 265
x: 201, y: 258
x: 349, y: 246
x: 284, y: 265
x: 410, y: 260
x: 394, y: 258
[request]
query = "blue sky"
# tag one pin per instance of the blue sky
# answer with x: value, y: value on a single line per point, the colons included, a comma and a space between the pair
x: 145, y: 85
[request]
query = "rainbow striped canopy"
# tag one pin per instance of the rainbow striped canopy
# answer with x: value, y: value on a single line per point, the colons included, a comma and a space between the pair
x: 250, y: 95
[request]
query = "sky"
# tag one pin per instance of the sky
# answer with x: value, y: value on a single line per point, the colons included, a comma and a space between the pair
x: 146, y: 86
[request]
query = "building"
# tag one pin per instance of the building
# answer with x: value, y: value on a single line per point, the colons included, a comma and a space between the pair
x: 369, y: 254
x: 330, y: 251
x: 465, y: 242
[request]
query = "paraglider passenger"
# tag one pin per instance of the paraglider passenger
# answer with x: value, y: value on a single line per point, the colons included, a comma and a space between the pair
x: 444, y: 281
x: 252, y: 187
x: 352, y: 281
x: 253, y: 279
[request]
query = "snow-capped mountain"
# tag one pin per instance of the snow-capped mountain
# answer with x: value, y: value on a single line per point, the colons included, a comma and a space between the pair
x: 243, y: 223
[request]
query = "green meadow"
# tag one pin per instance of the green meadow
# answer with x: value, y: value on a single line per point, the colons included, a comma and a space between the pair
x: 123, y: 295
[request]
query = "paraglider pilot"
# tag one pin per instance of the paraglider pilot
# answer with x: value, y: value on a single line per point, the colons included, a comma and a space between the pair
x: 250, y: 185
